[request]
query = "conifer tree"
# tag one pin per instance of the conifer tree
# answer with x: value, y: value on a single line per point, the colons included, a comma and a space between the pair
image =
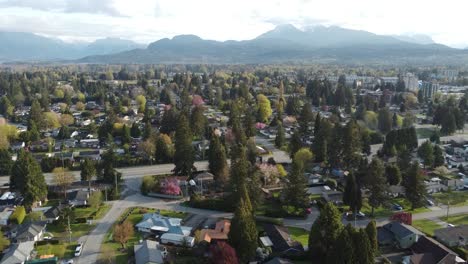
x: 362, y: 247
x: 415, y: 188
x: 280, y: 137
x: 217, y: 162
x: 376, y: 183
x: 27, y: 178
x: 184, y: 153
x: 352, y: 194
x: 295, y: 191
x: 371, y: 231
x: 325, y: 231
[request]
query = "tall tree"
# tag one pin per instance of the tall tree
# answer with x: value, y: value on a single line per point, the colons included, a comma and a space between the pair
x: 371, y: 231
x: 27, y: 178
x: 198, y: 121
x: 243, y: 233
x: 385, y: 120
x: 295, y: 143
x: 376, y: 183
x: 415, y: 188
x: 439, y: 159
x: 352, y: 195
x: 362, y: 248
x: 239, y: 171
x: 164, y: 149
x: 35, y: 114
x: 63, y: 179
x: 325, y: 231
x: 264, y: 108
x: 135, y: 131
x: 343, y: 249
x: 88, y: 171
x: 393, y: 174
x: 426, y: 153
x: 305, y: 119
x: 107, y: 172
x: 351, y: 145
x: 280, y: 138
x: 5, y: 162
x: 184, y: 152
x: 217, y: 161
x: 295, y: 193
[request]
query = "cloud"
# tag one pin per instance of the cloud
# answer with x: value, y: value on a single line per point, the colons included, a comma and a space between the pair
x: 67, y: 6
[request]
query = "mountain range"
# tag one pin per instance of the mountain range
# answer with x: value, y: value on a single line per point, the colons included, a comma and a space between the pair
x: 19, y: 46
x: 283, y: 44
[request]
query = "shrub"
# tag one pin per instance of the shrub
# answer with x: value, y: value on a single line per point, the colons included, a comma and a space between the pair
x: 18, y: 215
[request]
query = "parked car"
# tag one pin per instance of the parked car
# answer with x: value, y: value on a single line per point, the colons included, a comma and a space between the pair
x: 397, y: 207
x: 450, y: 225
x: 429, y: 202
x: 78, y: 249
x: 308, y: 210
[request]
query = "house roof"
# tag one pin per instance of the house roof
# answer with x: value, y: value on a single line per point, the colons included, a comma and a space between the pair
x: 29, y: 230
x: 281, y: 239
x: 429, y: 245
x: 401, y: 230
x: 18, y: 253
x: 161, y: 223
x: 148, y: 252
x: 455, y: 233
x: 53, y: 212
x: 220, y: 232
x: 78, y: 195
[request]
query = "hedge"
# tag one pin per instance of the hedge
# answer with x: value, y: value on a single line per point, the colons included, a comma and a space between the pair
x: 18, y: 215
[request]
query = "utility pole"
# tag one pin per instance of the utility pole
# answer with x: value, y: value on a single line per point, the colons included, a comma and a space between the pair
x: 448, y: 208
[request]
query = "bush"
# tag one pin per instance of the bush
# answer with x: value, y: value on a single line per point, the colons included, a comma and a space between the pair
x: 18, y: 215
x: 45, y: 242
x: 217, y: 204
x: 148, y: 184
x: 331, y: 183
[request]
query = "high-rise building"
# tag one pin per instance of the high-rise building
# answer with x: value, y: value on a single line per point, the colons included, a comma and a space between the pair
x: 429, y: 89
x: 411, y: 82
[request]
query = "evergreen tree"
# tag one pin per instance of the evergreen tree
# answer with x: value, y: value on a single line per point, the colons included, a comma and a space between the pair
x: 280, y: 138
x: 249, y: 124
x: 35, y: 114
x: 184, y: 153
x: 27, y: 178
x: 88, y: 171
x: 239, y: 171
x: 384, y: 121
x: 343, y: 249
x: 64, y: 133
x: 426, y: 153
x: 352, y: 194
x: 198, y: 121
x: 135, y: 130
x: 371, y: 231
x: 295, y: 193
x: 5, y: 162
x: 305, y: 119
x: 33, y: 131
x: 317, y: 124
x: 169, y: 121
x: 126, y: 137
x: 439, y: 159
x: 148, y: 131
x: 415, y: 188
x: 295, y: 143
x: 243, y: 233
x: 393, y: 174
x: 164, y: 151
x: 364, y: 252
x: 351, y: 145
x: 376, y: 183
x: 325, y: 231
x: 217, y: 162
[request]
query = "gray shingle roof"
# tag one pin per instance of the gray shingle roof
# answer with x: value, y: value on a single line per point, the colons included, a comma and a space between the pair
x: 18, y: 253
x: 148, y: 252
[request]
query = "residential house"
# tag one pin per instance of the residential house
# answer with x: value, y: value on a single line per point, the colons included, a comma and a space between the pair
x: 154, y: 223
x: 31, y: 231
x: 78, y: 198
x: 398, y: 234
x: 429, y: 251
x: 335, y: 197
x: 41, y: 145
x: 5, y: 215
x: 89, y: 143
x: 17, y: 146
x: 281, y: 241
x: 53, y: 214
x: 18, y: 253
x: 149, y: 252
x: 453, y: 236
x: 90, y: 154
x: 220, y: 232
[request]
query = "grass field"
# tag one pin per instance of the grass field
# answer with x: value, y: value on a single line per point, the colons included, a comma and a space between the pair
x: 424, y: 132
x: 426, y: 226
x: 386, y: 211
x: 62, y: 250
x: 299, y: 234
x: 459, y: 198
x: 458, y: 219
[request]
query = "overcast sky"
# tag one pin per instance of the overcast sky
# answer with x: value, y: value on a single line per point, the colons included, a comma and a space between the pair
x: 149, y: 20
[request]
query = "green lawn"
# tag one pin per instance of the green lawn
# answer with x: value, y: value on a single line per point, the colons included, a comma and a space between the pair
x: 78, y: 229
x: 386, y: 211
x: 426, y: 226
x: 456, y: 198
x: 424, y: 132
x: 121, y: 256
x: 299, y: 234
x: 62, y: 250
x: 459, y: 219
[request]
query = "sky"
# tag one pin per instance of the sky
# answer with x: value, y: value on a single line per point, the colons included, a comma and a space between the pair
x: 146, y: 21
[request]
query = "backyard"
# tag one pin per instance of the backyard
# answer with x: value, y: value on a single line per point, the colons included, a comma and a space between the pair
x: 426, y: 226
x: 299, y: 234
x: 113, y: 250
x: 62, y: 250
